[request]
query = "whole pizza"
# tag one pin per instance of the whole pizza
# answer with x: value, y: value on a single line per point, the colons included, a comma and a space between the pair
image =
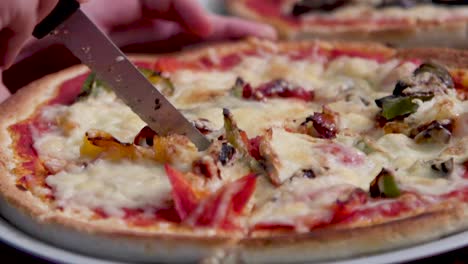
x: 401, y: 23
x: 320, y: 150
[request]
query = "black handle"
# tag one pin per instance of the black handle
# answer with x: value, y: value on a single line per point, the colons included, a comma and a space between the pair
x: 63, y: 10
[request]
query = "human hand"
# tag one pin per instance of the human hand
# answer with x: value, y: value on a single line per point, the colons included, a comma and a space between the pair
x: 170, y: 23
x: 167, y: 24
x: 17, y: 20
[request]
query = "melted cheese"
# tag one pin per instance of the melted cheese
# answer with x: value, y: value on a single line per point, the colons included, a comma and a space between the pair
x: 104, y: 112
x: 439, y: 108
x: 289, y: 153
x: 411, y: 164
x: 301, y: 202
x: 111, y: 186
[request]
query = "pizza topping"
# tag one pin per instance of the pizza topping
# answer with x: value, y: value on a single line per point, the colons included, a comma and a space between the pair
x: 185, y: 198
x: 275, y: 88
x: 226, y: 153
x: 325, y: 158
x: 145, y: 137
x: 427, y: 80
x: 282, y: 88
x: 324, y: 125
x: 203, y: 125
x: 111, y: 187
x: 241, y: 89
x: 162, y: 83
x: 394, y: 107
x: 91, y: 86
x: 239, y: 140
x: 234, y: 135
x: 206, y: 166
x: 308, y: 173
x: 219, y: 209
x: 101, y: 144
x: 445, y: 168
x: 384, y: 185
x: 437, y: 70
x: 435, y: 132
x: 282, y: 161
x: 175, y: 149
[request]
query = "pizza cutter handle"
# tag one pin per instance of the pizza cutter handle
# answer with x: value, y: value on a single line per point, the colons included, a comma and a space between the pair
x: 63, y: 10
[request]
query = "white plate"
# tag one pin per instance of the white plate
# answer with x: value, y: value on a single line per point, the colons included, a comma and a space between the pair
x: 16, y: 238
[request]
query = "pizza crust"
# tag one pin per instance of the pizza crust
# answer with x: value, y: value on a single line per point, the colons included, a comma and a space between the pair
x: 343, y: 243
x: 452, y: 34
x: 115, y: 240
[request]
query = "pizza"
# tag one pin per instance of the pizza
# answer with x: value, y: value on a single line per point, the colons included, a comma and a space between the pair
x: 320, y: 150
x: 401, y: 23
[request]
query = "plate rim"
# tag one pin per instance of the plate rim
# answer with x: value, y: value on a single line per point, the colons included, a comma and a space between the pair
x: 19, y: 240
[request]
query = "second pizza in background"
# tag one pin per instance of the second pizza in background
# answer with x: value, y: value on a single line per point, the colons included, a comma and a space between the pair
x: 402, y: 23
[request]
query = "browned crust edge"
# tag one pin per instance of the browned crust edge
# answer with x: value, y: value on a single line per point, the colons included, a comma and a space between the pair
x: 21, y: 207
x: 342, y: 243
x: 452, y: 33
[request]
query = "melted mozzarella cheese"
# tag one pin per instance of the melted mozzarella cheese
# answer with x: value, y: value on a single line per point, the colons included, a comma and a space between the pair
x: 103, y: 112
x: 254, y: 117
x: 403, y: 152
x: 289, y: 153
x: 301, y: 203
x: 411, y: 164
x: 439, y: 108
x: 111, y: 186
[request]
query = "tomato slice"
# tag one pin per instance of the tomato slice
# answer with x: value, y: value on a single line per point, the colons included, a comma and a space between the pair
x: 185, y: 198
x: 219, y: 209
x: 222, y: 208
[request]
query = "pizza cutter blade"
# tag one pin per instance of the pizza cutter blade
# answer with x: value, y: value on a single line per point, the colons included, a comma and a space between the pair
x: 69, y: 25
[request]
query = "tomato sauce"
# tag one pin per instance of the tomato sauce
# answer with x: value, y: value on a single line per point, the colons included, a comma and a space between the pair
x: 138, y: 217
x: 31, y: 170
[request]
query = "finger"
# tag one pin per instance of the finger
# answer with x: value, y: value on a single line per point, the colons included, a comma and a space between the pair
x: 234, y: 28
x: 4, y: 92
x: 17, y: 30
x: 145, y: 31
x: 160, y: 36
x: 44, y: 8
x: 108, y: 14
x: 188, y: 13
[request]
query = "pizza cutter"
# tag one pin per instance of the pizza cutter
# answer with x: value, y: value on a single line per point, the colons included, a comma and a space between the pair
x: 69, y: 25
